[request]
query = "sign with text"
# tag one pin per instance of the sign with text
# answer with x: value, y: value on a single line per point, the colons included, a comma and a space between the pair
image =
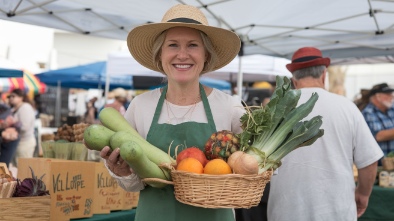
x: 107, y: 193
x: 69, y: 183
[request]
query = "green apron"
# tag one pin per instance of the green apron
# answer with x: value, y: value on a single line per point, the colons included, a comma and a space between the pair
x: 160, y: 204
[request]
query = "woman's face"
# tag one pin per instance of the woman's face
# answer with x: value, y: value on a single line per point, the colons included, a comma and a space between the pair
x: 183, y: 54
x: 15, y: 99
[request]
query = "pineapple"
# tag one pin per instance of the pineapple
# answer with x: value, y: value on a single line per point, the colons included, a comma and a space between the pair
x: 221, y: 145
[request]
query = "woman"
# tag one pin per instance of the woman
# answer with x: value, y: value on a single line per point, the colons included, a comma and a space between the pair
x: 9, y: 134
x: 24, y: 113
x: 183, y: 47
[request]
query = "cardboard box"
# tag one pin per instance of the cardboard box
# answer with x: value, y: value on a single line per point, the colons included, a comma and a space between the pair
x: 108, y: 195
x: 130, y: 200
x: 69, y: 183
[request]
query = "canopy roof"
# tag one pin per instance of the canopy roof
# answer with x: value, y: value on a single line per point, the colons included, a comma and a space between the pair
x: 341, y: 29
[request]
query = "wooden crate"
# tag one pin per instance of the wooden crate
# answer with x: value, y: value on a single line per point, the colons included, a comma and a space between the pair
x: 35, y: 208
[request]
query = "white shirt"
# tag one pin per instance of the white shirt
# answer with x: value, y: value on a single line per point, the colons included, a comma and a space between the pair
x: 316, y: 183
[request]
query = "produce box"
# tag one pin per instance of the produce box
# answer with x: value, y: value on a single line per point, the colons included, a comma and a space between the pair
x: 70, y: 184
x: 35, y: 208
x: 108, y: 195
x: 130, y: 200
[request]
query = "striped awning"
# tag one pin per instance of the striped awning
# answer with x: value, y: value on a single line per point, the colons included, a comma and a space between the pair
x: 29, y: 83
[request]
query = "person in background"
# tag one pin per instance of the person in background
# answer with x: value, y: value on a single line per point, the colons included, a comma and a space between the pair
x: 91, y: 114
x: 183, y: 47
x: 363, y: 99
x: 120, y: 95
x: 316, y: 182
x: 24, y: 113
x: 379, y: 115
x: 9, y: 134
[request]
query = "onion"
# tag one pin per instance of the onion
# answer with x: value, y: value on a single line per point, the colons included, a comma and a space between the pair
x: 233, y: 158
x: 245, y: 164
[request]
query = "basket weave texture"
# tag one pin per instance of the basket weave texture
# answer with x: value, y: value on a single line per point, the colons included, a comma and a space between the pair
x: 219, y: 191
x: 388, y: 163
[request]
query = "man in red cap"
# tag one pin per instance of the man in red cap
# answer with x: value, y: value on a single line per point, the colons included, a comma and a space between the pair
x: 316, y: 182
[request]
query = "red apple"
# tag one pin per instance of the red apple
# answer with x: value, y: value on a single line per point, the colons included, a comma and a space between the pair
x: 193, y: 152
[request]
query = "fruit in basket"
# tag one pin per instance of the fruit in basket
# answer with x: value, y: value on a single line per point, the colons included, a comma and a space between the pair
x: 191, y: 165
x: 221, y: 145
x: 217, y: 167
x: 193, y: 152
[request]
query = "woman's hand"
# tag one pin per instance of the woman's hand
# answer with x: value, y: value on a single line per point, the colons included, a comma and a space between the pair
x: 9, y: 134
x: 115, y: 162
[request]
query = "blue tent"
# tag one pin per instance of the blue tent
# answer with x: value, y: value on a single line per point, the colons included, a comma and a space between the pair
x: 11, y: 73
x: 93, y: 76
x: 84, y: 76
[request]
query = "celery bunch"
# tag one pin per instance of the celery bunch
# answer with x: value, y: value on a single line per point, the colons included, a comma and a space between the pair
x: 273, y: 131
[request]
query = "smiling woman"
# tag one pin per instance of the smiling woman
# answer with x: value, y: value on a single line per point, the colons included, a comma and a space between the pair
x: 183, y: 47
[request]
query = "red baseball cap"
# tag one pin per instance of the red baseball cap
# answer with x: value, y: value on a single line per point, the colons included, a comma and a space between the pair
x: 307, y: 57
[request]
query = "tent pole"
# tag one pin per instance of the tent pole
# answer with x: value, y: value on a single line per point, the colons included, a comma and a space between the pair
x: 58, y: 104
x: 106, y: 90
x: 239, y: 78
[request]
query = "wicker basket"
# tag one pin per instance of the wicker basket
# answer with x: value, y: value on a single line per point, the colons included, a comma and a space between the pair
x: 219, y: 191
x: 388, y: 163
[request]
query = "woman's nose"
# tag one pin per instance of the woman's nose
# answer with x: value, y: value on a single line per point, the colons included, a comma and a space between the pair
x: 183, y: 53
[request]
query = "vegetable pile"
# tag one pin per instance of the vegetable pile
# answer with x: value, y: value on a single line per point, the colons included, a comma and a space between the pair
x: 273, y: 131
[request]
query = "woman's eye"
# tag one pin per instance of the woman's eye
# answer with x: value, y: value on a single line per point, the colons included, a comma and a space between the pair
x: 193, y: 45
x: 172, y: 45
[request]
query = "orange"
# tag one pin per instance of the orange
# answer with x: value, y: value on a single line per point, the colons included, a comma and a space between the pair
x: 190, y: 165
x: 217, y: 167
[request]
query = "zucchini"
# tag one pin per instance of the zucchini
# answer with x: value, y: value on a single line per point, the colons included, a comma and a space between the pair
x: 132, y: 153
x: 113, y: 120
x: 153, y: 153
x: 97, y: 136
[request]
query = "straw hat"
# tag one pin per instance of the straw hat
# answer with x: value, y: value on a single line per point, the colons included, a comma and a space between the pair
x: 119, y: 92
x: 307, y: 57
x: 140, y: 40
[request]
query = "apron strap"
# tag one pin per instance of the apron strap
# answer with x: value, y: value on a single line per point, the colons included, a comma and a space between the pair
x: 159, y: 106
x: 207, y: 108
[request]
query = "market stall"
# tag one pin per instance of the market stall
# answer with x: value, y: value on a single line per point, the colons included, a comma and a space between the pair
x: 29, y: 83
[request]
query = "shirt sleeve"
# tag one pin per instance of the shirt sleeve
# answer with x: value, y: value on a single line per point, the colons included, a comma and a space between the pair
x: 367, y: 150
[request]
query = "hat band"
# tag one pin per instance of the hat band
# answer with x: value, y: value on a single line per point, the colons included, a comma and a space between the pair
x: 308, y: 58
x: 184, y: 20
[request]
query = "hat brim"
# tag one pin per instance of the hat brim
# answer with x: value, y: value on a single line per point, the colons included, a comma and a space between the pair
x: 315, y: 62
x: 140, y: 42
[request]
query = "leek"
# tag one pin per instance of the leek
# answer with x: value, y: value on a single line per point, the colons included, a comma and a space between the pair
x: 272, y: 132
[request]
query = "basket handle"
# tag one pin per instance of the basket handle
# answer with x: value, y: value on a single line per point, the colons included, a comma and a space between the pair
x: 158, y: 180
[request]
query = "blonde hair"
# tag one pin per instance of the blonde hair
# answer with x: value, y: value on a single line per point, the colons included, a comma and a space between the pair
x: 209, y: 64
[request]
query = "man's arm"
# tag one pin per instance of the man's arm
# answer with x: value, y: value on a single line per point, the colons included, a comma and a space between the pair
x: 366, y: 179
x: 385, y: 135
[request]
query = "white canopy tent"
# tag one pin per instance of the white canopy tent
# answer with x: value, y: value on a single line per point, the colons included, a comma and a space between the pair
x: 341, y: 29
x: 346, y: 31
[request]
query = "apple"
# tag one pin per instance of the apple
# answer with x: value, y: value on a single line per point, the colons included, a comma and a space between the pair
x: 193, y: 152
